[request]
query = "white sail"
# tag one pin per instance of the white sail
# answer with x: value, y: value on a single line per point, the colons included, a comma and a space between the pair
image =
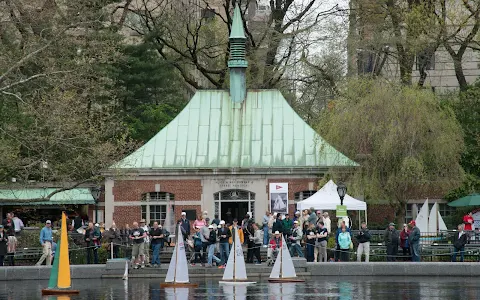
x: 288, y: 270
x: 422, y: 218
x: 283, y: 267
x: 178, y: 268
x: 125, y: 274
x: 235, y: 269
x: 433, y: 220
x: 169, y: 223
x: 176, y: 293
x: 240, y: 269
x: 230, y: 269
x: 441, y: 223
x: 277, y: 266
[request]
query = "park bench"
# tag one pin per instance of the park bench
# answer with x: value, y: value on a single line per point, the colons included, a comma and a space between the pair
x: 28, y: 254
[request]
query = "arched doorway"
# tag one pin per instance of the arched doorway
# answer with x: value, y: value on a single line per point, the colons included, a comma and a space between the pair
x: 234, y: 203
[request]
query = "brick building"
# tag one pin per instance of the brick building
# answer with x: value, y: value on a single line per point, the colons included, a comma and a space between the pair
x: 220, y: 154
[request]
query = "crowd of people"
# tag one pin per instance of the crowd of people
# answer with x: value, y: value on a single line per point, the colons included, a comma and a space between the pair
x: 10, y: 229
x: 209, y: 241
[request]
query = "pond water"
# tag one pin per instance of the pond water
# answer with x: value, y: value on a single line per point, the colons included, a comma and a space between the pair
x: 314, y: 288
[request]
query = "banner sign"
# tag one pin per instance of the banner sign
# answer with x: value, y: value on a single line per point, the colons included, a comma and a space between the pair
x: 279, y: 198
x: 341, y: 211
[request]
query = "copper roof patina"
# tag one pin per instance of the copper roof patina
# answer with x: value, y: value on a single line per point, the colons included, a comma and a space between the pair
x: 213, y: 132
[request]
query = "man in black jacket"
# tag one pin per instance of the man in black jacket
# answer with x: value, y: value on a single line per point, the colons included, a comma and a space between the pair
x: 391, y: 238
x: 185, y: 225
x: 460, y: 239
x: 363, y: 238
x: 212, y: 240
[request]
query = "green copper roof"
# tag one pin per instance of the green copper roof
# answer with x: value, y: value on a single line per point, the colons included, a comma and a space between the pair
x: 237, y: 31
x: 213, y: 132
x: 24, y: 196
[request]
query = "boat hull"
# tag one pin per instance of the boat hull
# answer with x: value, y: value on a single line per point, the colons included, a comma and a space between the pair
x: 178, y: 285
x: 59, y: 292
x: 281, y: 280
x: 236, y: 282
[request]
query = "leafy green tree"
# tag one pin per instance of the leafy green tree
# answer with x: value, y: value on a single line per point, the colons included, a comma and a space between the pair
x: 466, y: 106
x: 58, y: 121
x: 409, y: 146
x: 147, y: 89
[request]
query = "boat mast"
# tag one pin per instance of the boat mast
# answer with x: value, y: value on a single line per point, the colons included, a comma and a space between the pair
x: 281, y: 262
x: 176, y: 254
x: 234, y: 252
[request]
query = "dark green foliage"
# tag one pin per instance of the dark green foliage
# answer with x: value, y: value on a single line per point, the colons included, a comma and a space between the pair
x: 148, y: 90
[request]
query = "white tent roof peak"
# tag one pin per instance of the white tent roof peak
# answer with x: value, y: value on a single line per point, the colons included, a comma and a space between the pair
x: 327, y: 199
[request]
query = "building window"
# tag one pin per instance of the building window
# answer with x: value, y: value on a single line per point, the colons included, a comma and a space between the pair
x: 154, y: 213
x: 445, y: 210
x: 299, y: 196
x: 155, y: 206
x: 409, y: 212
x: 157, y: 196
x: 234, y: 195
x: 427, y: 59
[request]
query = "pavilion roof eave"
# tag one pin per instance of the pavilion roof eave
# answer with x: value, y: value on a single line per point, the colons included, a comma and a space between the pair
x: 227, y: 171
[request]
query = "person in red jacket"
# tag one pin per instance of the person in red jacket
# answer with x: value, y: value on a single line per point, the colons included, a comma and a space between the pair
x: 275, y: 244
x: 404, y: 242
x: 468, y: 221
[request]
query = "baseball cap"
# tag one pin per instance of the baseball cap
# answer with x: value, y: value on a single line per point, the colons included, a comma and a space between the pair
x: 210, y: 227
x: 184, y: 213
x: 222, y: 222
x: 295, y: 222
x: 142, y: 221
x: 277, y: 232
x: 48, y: 222
x: 391, y: 224
x: 97, y: 225
x: 1, y: 226
x: 413, y: 223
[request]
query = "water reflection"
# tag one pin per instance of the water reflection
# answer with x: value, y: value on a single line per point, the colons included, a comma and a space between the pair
x: 314, y: 288
x: 345, y: 290
x: 175, y: 294
x: 282, y: 291
x: 235, y: 292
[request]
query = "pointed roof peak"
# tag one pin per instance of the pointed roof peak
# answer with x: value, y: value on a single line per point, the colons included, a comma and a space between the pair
x: 238, y: 31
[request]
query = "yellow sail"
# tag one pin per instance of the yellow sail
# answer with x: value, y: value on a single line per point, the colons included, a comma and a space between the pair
x: 64, y: 280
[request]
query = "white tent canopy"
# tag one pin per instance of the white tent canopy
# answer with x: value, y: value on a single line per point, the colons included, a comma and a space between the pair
x: 327, y: 199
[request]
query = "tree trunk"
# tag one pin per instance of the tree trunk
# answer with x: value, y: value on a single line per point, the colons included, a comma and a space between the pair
x: 352, y: 69
x: 400, y: 213
x: 457, y: 64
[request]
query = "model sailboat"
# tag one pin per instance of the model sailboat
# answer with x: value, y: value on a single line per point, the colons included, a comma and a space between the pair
x: 430, y: 223
x: 177, y: 274
x: 235, y: 272
x: 60, y: 280
x: 283, y: 269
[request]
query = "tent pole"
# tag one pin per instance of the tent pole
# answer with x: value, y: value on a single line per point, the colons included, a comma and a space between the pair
x: 359, y: 220
x: 366, y: 221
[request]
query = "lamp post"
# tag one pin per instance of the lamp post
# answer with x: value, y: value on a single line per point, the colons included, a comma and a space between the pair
x: 96, y: 192
x: 341, y: 190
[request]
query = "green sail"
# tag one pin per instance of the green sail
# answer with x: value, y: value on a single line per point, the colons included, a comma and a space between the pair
x: 52, y: 283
